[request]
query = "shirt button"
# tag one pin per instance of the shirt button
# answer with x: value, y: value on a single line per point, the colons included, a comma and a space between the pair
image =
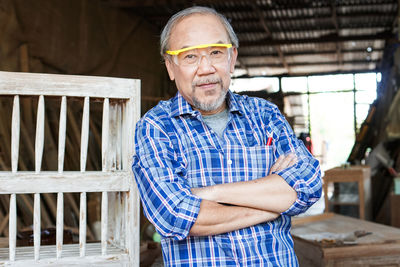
x: 229, y: 161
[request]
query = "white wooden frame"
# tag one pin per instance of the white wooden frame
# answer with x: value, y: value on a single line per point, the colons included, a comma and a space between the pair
x: 119, y: 244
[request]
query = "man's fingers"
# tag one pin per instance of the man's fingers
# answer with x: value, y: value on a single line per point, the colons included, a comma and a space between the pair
x: 284, y: 162
x: 293, y: 160
x: 277, y: 164
x: 288, y: 161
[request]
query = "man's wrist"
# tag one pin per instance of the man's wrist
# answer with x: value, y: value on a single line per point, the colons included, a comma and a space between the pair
x: 207, y: 192
x: 211, y: 193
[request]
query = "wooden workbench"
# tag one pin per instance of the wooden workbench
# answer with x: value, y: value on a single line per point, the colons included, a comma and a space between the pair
x: 319, y: 242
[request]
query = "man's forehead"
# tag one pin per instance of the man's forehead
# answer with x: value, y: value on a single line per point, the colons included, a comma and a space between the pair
x: 198, y: 29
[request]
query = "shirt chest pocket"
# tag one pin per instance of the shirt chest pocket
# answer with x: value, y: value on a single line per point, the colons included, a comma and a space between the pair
x: 249, y: 163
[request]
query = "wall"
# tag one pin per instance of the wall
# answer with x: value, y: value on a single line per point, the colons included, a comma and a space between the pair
x: 85, y: 37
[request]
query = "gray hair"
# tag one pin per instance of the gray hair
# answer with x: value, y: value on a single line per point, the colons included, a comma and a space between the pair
x: 166, y: 33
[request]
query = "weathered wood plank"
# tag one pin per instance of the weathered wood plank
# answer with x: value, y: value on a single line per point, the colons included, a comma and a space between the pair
x: 82, y: 225
x: 132, y: 199
x: 62, y: 132
x: 359, y: 251
x: 105, y: 135
x: 116, y: 211
x: 112, y: 159
x: 54, y: 182
x: 12, y: 226
x: 134, y: 189
x: 60, y: 224
x: 115, y: 257
x: 16, y: 83
x: 104, y: 223
x: 36, y: 226
x: 39, y: 141
x: 15, y: 131
x: 119, y: 138
x: 85, y: 133
x: 115, y: 218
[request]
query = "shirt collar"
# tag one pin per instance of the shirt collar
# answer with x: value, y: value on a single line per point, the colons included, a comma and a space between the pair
x: 232, y: 102
x: 181, y: 107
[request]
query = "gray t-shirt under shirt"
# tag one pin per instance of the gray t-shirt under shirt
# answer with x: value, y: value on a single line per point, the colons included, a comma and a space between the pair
x: 218, y: 121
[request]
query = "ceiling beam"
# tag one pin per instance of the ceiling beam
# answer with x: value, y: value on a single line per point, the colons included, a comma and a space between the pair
x: 335, y: 23
x: 283, y: 19
x: 297, y: 64
x: 316, y: 28
x: 332, y: 38
x: 315, y: 15
x: 265, y: 27
x: 295, y: 7
x: 347, y: 16
x: 243, y: 54
x: 275, y: 5
x: 316, y: 73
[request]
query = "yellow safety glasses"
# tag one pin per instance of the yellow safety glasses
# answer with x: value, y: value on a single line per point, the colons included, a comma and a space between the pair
x: 177, y: 52
x: 191, y: 56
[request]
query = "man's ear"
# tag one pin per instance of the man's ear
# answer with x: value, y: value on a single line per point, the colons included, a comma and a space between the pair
x: 233, y: 59
x: 170, y: 70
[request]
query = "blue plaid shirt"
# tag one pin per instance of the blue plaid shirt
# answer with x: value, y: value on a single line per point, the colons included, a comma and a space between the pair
x: 176, y: 150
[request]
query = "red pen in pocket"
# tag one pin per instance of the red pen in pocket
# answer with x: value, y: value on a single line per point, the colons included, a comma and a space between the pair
x: 269, y: 140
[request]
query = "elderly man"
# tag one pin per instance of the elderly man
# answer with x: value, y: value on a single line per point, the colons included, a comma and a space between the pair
x: 219, y: 174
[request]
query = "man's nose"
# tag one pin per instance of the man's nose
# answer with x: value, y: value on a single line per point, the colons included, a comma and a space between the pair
x: 205, y: 65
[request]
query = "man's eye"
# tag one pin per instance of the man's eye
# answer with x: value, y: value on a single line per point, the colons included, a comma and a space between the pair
x: 216, y: 52
x: 190, y: 56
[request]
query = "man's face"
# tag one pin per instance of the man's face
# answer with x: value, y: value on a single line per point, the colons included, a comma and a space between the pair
x: 204, y: 85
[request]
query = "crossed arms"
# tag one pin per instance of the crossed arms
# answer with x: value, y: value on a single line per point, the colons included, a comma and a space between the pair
x: 250, y: 203
x: 178, y: 210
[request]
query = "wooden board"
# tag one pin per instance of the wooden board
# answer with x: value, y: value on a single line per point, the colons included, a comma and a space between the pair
x: 313, y: 248
x: 115, y: 257
x: 53, y: 182
x: 17, y: 83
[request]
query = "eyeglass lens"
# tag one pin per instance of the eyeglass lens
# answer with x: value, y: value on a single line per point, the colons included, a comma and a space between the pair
x: 193, y: 57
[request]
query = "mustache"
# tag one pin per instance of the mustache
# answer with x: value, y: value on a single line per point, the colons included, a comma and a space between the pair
x: 206, y: 80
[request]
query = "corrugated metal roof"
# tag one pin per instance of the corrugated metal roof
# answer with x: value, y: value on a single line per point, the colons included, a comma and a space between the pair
x: 295, y: 37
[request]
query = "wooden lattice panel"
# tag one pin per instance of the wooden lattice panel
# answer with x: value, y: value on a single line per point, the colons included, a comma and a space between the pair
x: 119, y: 244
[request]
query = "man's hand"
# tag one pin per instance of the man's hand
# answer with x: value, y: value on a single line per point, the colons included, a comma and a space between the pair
x: 283, y: 162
